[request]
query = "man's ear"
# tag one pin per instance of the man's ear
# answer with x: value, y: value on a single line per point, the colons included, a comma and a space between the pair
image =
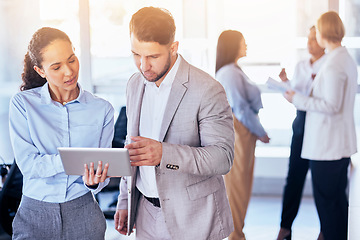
x: 39, y: 71
x: 174, y: 48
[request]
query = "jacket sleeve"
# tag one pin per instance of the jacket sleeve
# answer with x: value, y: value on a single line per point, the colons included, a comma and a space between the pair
x: 332, y: 93
x: 123, y: 195
x: 216, y: 136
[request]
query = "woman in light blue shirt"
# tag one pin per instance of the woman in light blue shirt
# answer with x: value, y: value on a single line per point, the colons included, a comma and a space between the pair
x: 51, y: 111
x: 245, y: 100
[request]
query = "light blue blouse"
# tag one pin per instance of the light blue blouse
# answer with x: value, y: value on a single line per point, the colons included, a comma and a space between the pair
x: 39, y: 125
x: 244, y: 97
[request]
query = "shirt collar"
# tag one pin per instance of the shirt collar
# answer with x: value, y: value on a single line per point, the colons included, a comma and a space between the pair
x: 170, y: 77
x: 46, y: 98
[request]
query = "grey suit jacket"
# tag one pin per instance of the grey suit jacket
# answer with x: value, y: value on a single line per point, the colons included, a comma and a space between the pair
x: 198, y: 147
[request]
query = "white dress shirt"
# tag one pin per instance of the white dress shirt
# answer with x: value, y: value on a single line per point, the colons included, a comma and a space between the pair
x: 152, y: 113
x: 304, y: 71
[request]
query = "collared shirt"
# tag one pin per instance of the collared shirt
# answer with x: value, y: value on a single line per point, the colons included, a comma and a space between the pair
x: 152, y: 113
x: 303, y: 73
x: 39, y: 125
x: 244, y: 97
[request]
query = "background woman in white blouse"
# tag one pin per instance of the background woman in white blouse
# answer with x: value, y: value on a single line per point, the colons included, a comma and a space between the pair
x: 330, y: 138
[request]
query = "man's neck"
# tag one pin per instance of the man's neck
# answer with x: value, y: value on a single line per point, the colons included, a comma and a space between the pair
x: 173, y: 60
x: 314, y: 58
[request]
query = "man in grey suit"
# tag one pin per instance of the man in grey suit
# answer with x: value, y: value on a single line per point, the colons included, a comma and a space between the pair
x: 180, y: 141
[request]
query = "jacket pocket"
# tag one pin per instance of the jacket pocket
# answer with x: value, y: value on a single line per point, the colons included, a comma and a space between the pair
x: 203, y: 188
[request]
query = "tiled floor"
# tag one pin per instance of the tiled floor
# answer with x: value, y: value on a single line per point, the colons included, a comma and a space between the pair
x: 262, y: 221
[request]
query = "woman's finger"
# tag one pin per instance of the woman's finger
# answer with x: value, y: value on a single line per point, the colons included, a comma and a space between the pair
x: 97, y: 174
x: 91, y: 172
x: 86, y: 174
x: 104, y: 172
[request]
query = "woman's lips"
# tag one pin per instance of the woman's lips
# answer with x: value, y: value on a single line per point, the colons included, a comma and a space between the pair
x: 71, y: 81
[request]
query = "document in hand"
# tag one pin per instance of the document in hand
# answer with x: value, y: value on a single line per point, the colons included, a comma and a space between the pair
x: 277, y: 86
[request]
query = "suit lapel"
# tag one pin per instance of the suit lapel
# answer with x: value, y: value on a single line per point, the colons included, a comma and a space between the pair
x: 177, y: 93
x: 134, y: 106
x: 134, y: 109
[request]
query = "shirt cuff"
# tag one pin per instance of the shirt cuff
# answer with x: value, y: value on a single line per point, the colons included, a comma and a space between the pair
x: 58, y: 164
x: 297, y: 100
x: 100, y: 186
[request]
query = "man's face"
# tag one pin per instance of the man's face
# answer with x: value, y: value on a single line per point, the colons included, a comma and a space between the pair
x: 312, y: 44
x: 153, y: 59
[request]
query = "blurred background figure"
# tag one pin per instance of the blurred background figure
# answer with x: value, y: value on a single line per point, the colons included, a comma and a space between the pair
x: 245, y: 100
x: 305, y: 72
x: 329, y: 135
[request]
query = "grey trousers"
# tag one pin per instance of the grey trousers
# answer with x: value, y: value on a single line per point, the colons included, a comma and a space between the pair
x: 150, y: 223
x: 80, y: 218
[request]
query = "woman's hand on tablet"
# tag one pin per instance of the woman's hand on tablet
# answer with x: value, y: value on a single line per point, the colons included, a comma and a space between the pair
x: 91, y: 177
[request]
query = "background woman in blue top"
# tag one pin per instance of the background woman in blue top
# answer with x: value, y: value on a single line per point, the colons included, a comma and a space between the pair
x: 245, y: 100
x: 51, y: 111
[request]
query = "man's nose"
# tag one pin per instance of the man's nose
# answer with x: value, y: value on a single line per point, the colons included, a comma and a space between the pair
x: 144, y: 64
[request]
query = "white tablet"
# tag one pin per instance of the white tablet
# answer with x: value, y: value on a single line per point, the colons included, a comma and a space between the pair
x: 74, y: 158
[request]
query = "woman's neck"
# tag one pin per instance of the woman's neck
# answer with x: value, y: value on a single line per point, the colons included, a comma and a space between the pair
x: 332, y: 45
x: 64, y: 97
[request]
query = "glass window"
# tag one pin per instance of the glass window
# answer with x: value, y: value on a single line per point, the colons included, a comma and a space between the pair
x: 350, y: 13
x: 18, y: 21
x: 275, y: 39
x: 308, y: 12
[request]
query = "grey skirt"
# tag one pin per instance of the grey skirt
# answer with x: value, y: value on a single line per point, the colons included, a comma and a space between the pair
x: 80, y: 218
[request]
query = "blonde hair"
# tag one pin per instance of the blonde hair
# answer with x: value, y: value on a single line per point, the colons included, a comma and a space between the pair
x: 331, y: 27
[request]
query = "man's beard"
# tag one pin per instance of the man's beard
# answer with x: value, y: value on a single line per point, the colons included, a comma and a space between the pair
x: 162, y: 73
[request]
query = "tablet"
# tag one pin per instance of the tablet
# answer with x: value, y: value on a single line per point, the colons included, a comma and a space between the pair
x: 74, y: 158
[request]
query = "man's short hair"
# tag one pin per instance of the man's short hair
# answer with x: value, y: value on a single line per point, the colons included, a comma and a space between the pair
x: 151, y: 24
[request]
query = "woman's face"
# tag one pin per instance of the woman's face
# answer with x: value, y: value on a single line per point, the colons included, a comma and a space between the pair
x: 60, y: 66
x: 243, y: 48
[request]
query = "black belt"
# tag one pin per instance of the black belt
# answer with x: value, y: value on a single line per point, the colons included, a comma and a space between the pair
x: 154, y: 201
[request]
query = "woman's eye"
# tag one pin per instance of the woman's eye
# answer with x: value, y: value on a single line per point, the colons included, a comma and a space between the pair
x: 57, y: 68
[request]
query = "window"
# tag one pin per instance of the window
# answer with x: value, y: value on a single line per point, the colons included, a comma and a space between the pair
x: 19, y: 20
x: 275, y: 39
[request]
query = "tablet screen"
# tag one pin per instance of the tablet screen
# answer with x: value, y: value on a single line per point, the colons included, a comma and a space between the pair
x: 74, y: 158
